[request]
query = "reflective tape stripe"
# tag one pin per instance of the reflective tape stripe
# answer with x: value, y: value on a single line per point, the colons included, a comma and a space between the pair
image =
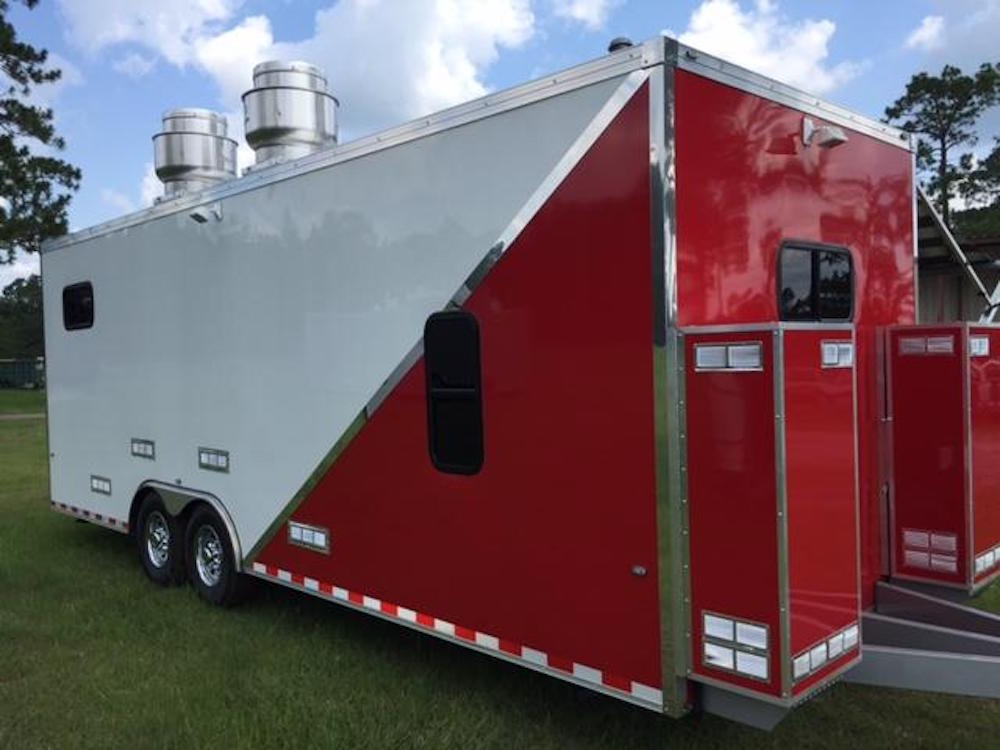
x: 637, y: 692
x: 97, y: 518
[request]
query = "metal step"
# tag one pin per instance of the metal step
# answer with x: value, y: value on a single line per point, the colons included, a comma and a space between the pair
x: 934, y: 671
x: 882, y: 630
x: 918, y: 641
x: 920, y: 605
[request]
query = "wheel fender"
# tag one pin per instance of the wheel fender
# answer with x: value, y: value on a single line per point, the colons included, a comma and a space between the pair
x: 176, y: 499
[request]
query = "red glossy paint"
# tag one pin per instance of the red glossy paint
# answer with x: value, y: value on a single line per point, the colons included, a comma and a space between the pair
x: 732, y: 501
x: 539, y: 547
x: 745, y: 183
x: 985, y: 401
x: 929, y: 453
x: 824, y: 595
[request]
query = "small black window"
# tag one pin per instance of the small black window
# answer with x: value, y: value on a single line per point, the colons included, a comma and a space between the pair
x: 78, y: 306
x: 454, y: 394
x: 815, y: 283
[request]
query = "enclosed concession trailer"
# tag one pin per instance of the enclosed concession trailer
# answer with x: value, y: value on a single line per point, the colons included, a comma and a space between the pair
x: 585, y: 375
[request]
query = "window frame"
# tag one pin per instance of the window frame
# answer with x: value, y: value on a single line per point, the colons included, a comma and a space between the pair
x: 69, y: 289
x: 434, y: 393
x: 814, y: 248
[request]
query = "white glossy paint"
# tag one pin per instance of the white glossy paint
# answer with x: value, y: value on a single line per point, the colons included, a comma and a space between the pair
x: 264, y: 334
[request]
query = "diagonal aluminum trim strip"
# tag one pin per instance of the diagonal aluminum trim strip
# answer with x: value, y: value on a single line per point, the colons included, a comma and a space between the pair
x: 719, y: 70
x: 397, y: 374
x: 314, y: 478
x: 616, y: 102
x: 580, y: 147
x: 609, y: 66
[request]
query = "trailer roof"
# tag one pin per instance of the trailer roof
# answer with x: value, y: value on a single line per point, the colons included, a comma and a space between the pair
x: 656, y: 51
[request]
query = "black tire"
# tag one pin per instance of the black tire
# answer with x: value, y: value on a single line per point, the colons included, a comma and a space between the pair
x: 160, y: 540
x: 214, y: 576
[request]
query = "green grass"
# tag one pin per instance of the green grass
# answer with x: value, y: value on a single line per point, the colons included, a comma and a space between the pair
x: 19, y: 401
x: 93, y: 655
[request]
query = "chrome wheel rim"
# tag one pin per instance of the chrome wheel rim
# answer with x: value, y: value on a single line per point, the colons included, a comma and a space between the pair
x: 157, y: 539
x: 208, y: 555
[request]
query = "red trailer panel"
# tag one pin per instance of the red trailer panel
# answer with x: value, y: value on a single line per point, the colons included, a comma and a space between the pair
x: 772, y: 507
x: 946, y: 441
x: 551, y: 548
x: 984, y: 402
x: 821, y: 484
x: 748, y: 184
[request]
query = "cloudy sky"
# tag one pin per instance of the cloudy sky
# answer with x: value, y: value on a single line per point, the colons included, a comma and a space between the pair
x: 125, y: 61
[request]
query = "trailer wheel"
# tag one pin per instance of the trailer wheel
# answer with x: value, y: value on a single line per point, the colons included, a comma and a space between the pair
x: 211, y: 563
x: 159, y: 538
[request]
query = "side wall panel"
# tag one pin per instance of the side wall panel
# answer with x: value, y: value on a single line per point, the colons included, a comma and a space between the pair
x: 745, y: 183
x: 266, y: 333
x: 822, y: 499
x: 985, y: 403
x: 929, y: 437
x: 732, y: 504
x: 539, y: 548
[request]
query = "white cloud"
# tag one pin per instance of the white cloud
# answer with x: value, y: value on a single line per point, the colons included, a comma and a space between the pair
x: 230, y: 56
x: 764, y: 40
x: 929, y: 35
x: 134, y: 65
x: 24, y: 265
x: 591, y: 13
x: 150, y: 187
x: 170, y: 28
x: 387, y: 60
x: 118, y: 201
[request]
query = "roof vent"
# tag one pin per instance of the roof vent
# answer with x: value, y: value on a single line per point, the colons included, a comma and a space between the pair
x: 619, y: 43
x: 289, y: 111
x: 193, y: 152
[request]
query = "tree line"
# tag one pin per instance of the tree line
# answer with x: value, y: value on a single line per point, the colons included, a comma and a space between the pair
x: 36, y: 186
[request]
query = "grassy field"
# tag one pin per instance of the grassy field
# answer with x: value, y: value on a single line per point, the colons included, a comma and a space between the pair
x: 19, y: 401
x: 93, y: 655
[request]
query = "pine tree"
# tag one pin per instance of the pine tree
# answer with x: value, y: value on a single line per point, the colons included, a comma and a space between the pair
x: 943, y: 111
x: 35, y: 185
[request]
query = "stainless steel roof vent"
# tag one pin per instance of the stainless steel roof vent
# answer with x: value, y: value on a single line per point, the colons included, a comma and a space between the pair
x: 289, y: 111
x: 193, y: 151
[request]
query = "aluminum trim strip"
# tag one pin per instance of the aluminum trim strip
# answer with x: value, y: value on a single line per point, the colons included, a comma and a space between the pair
x: 397, y: 374
x: 667, y: 401
x: 621, y: 63
x: 311, y: 481
x: 781, y: 463
x: 775, y: 326
x: 970, y: 547
x: 583, y: 143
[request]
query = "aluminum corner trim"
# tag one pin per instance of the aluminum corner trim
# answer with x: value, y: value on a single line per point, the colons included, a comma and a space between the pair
x: 781, y: 463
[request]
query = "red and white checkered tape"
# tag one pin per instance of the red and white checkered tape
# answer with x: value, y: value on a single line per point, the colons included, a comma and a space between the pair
x: 567, y: 669
x: 98, y: 518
